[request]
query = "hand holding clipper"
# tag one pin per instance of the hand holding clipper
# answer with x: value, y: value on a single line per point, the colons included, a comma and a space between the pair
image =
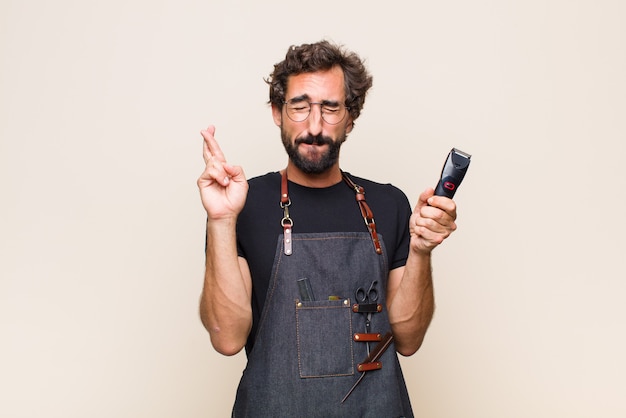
x: 452, y: 173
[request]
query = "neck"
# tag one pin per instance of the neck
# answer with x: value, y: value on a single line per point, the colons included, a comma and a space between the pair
x: 328, y: 178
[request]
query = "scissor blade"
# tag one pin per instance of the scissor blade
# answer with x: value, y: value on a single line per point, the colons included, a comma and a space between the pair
x: 376, y: 353
x: 353, y: 387
x: 380, y: 348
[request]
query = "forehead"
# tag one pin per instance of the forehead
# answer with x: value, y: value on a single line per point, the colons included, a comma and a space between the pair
x: 319, y: 85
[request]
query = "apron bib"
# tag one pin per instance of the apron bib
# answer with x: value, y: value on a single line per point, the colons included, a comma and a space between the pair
x: 304, y: 360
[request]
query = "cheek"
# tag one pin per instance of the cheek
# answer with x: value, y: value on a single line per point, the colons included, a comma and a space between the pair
x: 289, y: 133
x: 277, y: 116
x: 342, y: 133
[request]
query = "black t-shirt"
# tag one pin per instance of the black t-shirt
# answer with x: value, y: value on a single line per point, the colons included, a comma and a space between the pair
x: 314, y: 210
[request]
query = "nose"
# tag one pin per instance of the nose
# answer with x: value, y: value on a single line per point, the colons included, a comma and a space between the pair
x: 315, y: 120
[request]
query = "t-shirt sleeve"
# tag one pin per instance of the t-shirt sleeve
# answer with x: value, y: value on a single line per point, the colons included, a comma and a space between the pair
x: 401, y: 252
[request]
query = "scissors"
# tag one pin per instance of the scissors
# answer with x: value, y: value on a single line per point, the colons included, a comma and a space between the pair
x: 363, y: 297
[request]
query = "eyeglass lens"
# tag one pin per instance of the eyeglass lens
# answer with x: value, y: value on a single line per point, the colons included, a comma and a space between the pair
x: 299, y: 111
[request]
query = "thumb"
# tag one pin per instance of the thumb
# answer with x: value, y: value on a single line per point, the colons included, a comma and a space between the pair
x: 424, y: 198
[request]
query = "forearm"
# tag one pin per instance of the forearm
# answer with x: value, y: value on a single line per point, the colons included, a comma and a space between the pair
x: 225, y: 303
x: 411, y: 303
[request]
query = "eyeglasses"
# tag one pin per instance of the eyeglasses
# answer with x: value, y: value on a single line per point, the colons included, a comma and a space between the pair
x: 299, y: 110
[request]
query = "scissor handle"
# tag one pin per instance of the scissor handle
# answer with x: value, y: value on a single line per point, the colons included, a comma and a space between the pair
x: 370, y: 296
x: 360, y: 295
x: 372, y: 293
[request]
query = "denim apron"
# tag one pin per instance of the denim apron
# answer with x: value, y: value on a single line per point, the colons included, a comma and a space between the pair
x: 305, y: 357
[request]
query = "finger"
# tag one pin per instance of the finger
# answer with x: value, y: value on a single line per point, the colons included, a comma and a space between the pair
x: 234, y: 172
x: 207, y: 133
x: 212, y: 145
x: 206, y: 154
x: 206, y: 179
x: 216, y: 170
x: 434, y: 212
x: 431, y: 231
x: 438, y: 222
x: 445, y: 204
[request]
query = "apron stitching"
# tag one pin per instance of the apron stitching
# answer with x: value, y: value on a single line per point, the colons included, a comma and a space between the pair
x: 268, y: 298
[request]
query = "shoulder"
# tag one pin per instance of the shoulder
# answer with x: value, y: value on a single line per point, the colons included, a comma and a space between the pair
x: 265, y: 180
x: 377, y: 190
x: 388, y: 202
x: 261, y: 214
x: 263, y: 192
x: 264, y: 186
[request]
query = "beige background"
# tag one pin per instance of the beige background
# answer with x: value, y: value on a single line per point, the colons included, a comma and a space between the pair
x: 101, y: 227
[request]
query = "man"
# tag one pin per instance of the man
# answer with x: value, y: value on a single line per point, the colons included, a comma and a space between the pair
x: 298, y: 272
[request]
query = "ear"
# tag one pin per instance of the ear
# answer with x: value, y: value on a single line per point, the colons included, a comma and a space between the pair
x: 277, y: 114
x: 349, y: 125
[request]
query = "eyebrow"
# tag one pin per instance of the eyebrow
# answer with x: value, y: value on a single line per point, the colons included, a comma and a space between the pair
x: 301, y: 98
x: 307, y: 98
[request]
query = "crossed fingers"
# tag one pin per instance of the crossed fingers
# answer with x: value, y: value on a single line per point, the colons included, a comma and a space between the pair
x: 213, y: 156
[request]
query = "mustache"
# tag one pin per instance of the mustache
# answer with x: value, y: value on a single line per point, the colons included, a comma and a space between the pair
x: 314, y: 140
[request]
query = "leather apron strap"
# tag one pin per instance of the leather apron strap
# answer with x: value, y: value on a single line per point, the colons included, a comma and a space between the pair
x: 366, y: 212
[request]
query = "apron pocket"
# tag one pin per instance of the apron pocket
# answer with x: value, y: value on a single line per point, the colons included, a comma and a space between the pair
x: 324, y: 338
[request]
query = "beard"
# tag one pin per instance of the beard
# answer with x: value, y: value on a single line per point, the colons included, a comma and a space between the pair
x: 315, y: 162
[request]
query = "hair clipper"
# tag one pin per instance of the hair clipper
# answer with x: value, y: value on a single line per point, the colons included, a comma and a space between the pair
x: 452, y: 173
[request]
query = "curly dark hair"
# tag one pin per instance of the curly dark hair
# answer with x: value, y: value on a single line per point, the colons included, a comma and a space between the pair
x: 321, y: 56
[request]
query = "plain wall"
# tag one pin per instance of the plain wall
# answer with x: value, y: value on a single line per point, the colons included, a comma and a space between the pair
x: 102, y: 230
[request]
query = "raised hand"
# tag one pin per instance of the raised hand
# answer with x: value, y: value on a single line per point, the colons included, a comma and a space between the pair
x: 223, y: 187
